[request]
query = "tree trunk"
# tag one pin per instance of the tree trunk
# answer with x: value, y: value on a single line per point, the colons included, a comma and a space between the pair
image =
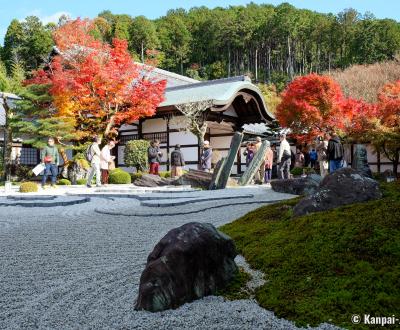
x: 256, y: 64
x: 142, y: 52
x: 8, y: 141
x: 395, y: 162
x: 109, y: 126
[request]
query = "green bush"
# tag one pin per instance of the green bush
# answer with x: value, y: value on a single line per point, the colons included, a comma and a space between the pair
x: 28, y: 187
x: 135, y: 154
x: 165, y: 174
x: 64, y: 182
x: 81, y: 182
x: 325, y: 266
x: 296, y: 171
x: 119, y: 176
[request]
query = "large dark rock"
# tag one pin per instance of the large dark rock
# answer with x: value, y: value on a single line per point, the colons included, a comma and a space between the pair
x: 195, y: 179
x: 344, y: 186
x: 190, y: 262
x: 360, y: 160
x: 298, y: 186
x: 151, y: 180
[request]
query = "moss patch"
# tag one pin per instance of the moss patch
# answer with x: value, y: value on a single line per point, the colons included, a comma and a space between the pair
x: 237, y: 287
x: 326, y: 266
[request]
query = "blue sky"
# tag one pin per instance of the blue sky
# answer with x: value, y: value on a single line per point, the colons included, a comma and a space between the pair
x: 50, y: 10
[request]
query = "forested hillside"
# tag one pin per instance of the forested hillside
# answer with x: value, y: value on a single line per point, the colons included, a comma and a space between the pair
x: 271, y: 43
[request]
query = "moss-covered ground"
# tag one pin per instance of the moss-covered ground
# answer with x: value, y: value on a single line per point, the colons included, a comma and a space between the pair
x: 326, y: 266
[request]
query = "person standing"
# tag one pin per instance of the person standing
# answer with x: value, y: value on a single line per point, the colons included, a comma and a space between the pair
x: 205, y: 159
x: 249, y: 153
x: 274, y: 163
x: 299, y: 158
x: 259, y: 177
x: 93, y: 155
x: 269, y: 159
x: 335, y: 153
x: 105, y: 161
x: 284, y: 158
x: 51, y: 159
x: 177, y: 162
x: 322, y: 150
x: 154, y: 155
x: 313, y: 158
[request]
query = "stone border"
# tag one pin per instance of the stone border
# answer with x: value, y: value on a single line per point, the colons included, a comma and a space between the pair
x: 38, y: 204
x: 31, y: 198
x: 191, y: 201
x: 96, y: 210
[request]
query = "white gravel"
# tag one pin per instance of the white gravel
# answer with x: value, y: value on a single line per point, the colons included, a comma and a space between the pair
x: 73, y: 268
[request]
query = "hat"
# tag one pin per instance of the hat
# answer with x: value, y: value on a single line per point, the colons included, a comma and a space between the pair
x: 206, y: 142
x: 258, y: 139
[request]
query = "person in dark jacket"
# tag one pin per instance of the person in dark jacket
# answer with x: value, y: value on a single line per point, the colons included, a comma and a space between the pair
x: 335, y: 153
x: 154, y: 155
x: 177, y: 162
x: 205, y: 159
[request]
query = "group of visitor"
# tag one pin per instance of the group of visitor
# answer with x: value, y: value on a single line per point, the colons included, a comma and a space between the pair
x: 154, y: 155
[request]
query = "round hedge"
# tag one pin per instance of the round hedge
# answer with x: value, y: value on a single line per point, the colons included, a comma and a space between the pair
x: 136, y: 175
x: 28, y: 187
x: 81, y: 182
x: 296, y: 171
x: 119, y: 176
x: 64, y: 182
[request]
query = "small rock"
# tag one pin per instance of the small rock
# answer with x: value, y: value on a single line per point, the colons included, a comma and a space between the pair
x: 298, y: 186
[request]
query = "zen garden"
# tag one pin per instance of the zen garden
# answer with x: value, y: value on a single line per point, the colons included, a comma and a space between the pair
x: 234, y: 167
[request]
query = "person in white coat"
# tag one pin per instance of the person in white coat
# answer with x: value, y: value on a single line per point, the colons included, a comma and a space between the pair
x: 105, y: 161
x: 284, y: 158
x: 95, y: 153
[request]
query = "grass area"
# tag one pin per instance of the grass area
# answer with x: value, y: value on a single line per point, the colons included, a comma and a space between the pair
x: 326, y: 266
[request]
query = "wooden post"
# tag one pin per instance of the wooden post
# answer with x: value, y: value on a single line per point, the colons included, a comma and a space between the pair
x: 168, y: 146
x: 230, y: 160
x: 254, y: 165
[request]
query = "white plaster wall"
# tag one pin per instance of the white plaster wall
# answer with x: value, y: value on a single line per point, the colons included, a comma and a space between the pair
x: 154, y: 125
x: 182, y: 138
x: 127, y: 127
x: 220, y: 141
x: 189, y: 154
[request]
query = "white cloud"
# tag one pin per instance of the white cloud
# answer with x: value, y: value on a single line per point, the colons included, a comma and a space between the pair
x: 53, y: 18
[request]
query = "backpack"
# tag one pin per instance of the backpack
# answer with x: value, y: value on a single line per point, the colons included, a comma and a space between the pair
x: 89, y: 153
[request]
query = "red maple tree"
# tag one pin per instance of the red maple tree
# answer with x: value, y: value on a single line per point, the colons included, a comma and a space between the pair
x: 96, y: 83
x: 311, y: 105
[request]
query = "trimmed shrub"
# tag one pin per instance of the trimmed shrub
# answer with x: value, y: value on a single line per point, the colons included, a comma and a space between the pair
x: 136, y: 175
x: 64, y: 182
x: 28, y: 187
x: 135, y: 154
x: 81, y: 182
x: 165, y: 174
x: 296, y: 171
x: 119, y: 176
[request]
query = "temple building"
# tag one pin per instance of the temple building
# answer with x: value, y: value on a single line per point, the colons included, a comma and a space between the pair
x: 230, y: 104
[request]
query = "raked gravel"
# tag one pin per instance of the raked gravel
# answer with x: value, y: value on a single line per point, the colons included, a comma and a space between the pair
x: 73, y: 268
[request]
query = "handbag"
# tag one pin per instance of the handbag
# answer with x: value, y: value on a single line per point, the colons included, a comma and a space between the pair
x: 48, y: 159
x: 111, y: 165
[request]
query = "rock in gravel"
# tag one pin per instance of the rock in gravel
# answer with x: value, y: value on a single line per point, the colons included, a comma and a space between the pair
x: 298, y: 186
x: 151, y: 180
x: 190, y: 262
x: 344, y: 186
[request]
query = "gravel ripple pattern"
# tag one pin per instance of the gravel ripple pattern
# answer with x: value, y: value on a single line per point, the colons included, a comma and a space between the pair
x: 69, y: 267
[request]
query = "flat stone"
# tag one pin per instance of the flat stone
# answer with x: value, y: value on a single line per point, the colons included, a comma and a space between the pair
x: 298, y: 186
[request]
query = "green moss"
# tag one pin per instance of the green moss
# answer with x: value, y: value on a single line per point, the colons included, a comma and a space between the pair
x: 81, y: 182
x: 119, y: 176
x: 325, y: 266
x: 136, y: 175
x: 165, y: 174
x: 296, y: 171
x: 237, y: 287
x: 64, y: 182
x: 28, y: 187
